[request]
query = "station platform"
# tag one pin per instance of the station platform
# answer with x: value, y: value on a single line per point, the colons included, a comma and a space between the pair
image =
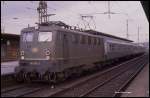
x: 139, y: 86
x: 8, y: 67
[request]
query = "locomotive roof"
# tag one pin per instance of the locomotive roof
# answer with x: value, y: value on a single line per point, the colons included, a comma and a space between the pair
x: 107, y: 35
x: 10, y: 35
x: 60, y: 23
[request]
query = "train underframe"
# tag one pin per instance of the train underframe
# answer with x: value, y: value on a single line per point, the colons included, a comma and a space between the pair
x: 53, y: 77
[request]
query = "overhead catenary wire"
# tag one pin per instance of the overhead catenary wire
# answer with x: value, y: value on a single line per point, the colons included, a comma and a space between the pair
x: 129, y: 17
x: 4, y: 6
x: 70, y: 15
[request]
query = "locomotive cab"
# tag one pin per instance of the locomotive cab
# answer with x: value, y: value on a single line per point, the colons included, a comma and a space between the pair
x: 36, y: 51
x: 36, y: 45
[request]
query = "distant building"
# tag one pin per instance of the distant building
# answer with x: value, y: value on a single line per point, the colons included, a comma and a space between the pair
x: 9, y: 47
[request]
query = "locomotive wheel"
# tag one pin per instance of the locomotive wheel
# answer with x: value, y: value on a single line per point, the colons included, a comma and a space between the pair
x: 48, y: 77
x: 19, y: 77
x: 27, y: 77
x: 53, y: 77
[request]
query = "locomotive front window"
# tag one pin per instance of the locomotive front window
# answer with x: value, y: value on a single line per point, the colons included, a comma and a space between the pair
x: 27, y: 37
x: 45, y: 36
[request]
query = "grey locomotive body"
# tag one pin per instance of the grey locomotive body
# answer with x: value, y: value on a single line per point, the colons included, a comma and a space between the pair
x: 52, y: 52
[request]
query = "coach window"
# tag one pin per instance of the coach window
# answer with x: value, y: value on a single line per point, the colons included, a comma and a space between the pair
x: 86, y: 39
x: 89, y: 40
x: 75, y: 38
x: 112, y: 47
x: 99, y: 41
x: 94, y: 41
x: 80, y: 39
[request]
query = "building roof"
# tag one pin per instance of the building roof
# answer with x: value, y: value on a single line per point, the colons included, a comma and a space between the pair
x: 107, y: 35
x: 8, y: 35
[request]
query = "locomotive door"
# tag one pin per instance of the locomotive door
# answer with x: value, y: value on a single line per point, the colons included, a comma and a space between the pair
x: 65, y: 47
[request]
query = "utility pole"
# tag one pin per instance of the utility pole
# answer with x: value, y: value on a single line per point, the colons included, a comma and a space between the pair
x: 138, y: 34
x: 127, y: 30
x: 88, y: 22
x: 42, y: 10
x: 109, y: 10
x: 2, y: 18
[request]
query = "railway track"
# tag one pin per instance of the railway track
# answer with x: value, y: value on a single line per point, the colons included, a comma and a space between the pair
x: 95, y: 86
x: 12, y: 88
x: 21, y: 90
x: 92, y: 85
x: 112, y: 87
x: 7, y: 80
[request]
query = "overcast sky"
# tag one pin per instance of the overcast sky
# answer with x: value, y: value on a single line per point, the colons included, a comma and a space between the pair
x: 68, y: 12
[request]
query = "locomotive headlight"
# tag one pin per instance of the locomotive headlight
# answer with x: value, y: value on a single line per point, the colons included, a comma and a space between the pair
x: 47, y: 57
x: 22, y: 53
x: 22, y: 57
x: 47, y: 52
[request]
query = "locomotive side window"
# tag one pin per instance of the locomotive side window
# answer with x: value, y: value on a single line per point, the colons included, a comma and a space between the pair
x: 89, y: 40
x: 75, y: 38
x: 83, y: 40
x: 27, y: 37
x: 59, y: 36
x: 86, y: 41
x: 80, y: 39
x: 45, y: 36
x: 92, y: 40
x: 97, y: 41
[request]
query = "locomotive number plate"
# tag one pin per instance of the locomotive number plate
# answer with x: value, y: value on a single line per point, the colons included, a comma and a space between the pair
x: 34, y: 63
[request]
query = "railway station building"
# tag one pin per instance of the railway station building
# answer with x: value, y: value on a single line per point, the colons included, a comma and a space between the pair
x: 9, y: 47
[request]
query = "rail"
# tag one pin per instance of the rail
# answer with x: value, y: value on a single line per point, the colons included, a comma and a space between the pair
x: 76, y: 89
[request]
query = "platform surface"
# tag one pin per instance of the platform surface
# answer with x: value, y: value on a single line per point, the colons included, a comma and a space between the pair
x: 139, y: 87
x: 8, y: 67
